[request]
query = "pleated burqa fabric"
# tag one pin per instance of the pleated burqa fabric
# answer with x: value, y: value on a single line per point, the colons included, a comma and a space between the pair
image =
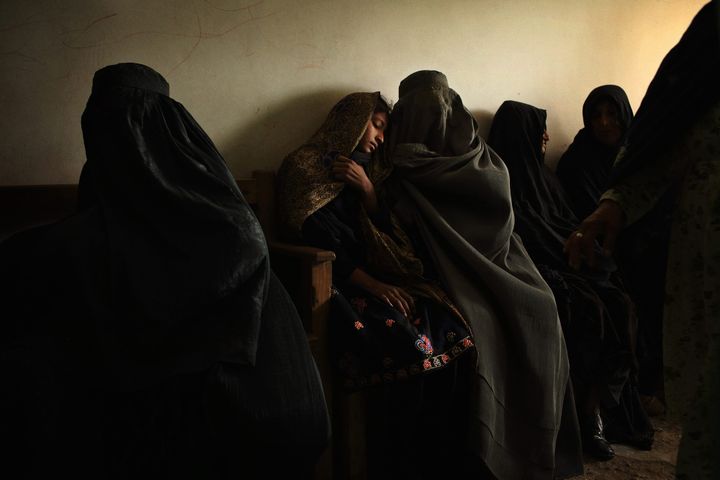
x: 144, y: 326
x: 596, y: 313
x: 455, y: 191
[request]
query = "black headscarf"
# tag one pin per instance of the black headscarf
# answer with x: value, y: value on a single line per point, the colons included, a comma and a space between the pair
x: 543, y: 218
x: 584, y: 169
x: 187, y: 262
x: 685, y: 86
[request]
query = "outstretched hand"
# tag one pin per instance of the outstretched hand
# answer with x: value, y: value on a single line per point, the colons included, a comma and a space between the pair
x: 606, y: 221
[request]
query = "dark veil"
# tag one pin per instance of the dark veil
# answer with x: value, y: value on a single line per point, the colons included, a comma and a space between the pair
x: 543, y: 216
x: 584, y: 168
x: 597, y: 317
x: 185, y: 252
x: 146, y: 335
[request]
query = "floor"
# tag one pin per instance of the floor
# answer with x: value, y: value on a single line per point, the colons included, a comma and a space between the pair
x: 631, y: 464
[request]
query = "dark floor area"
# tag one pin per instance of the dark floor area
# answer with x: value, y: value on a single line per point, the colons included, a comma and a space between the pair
x: 632, y: 464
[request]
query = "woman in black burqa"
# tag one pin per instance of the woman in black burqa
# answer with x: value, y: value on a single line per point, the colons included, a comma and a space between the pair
x: 147, y: 333
x: 584, y: 172
x: 596, y: 313
x: 452, y: 192
x: 584, y: 168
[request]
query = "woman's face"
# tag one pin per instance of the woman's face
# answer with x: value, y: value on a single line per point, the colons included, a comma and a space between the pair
x: 545, y: 140
x: 374, y: 133
x: 605, y: 123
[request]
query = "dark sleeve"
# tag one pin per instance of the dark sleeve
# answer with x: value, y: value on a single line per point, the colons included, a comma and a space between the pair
x: 382, y: 219
x: 324, y: 229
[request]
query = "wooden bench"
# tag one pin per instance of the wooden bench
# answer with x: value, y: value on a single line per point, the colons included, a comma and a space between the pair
x: 305, y: 271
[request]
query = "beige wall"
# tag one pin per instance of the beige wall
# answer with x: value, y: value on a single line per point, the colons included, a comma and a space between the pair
x: 260, y: 75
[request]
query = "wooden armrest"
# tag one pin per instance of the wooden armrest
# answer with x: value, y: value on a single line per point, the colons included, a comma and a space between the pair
x: 313, y: 254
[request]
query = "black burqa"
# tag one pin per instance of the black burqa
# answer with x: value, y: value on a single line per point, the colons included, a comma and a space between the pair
x: 596, y: 314
x: 147, y: 333
x: 584, y: 168
x: 454, y: 192
x: 584, y: 172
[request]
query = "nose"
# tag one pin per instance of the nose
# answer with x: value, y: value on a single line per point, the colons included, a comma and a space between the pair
x: 380, y: 137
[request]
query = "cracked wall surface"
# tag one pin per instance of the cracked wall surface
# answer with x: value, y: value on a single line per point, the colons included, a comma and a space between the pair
x: 259, y: 75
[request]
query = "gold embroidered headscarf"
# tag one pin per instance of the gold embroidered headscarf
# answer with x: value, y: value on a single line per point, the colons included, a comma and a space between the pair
x: 305, y: 182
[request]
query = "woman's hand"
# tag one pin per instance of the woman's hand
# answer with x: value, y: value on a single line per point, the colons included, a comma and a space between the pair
x: 606, y: 221
x: 394, y: 296
x: 354, y: 176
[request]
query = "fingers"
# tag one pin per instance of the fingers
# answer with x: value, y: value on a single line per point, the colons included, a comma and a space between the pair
x: 400, y: 303
x: 408, y: 299
x: 614, y: 223
x: 572, y: 250
x: 579, y: 245
x: 399, y: 300
x: 345, y: 172
x: 387, y: 300
x: 606, y: 221
x: 590, y: 231
x: 611, y: 235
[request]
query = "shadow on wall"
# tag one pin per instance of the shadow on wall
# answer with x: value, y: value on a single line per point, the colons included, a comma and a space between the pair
x: 282, y: 127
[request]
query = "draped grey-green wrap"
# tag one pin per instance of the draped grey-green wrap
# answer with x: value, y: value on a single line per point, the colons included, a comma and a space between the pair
x: 456, y: 192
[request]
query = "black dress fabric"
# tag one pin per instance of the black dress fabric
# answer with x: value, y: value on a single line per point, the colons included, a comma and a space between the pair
x: 146, y: 334
x: 584, y: 168
x: 596, y: 313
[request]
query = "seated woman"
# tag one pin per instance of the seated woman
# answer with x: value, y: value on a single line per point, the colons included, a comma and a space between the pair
x: 584, y: 172
x: 392, y: 324
x: 596, y: 314
x: 584, y: 169
x: 454, y: 192
x: 146, y: 334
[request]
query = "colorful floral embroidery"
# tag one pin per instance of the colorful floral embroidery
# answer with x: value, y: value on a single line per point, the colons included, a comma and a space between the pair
x: 359, y: 303
x: 355, y: 379
x: 389, y: 322
x: 423, y: 344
